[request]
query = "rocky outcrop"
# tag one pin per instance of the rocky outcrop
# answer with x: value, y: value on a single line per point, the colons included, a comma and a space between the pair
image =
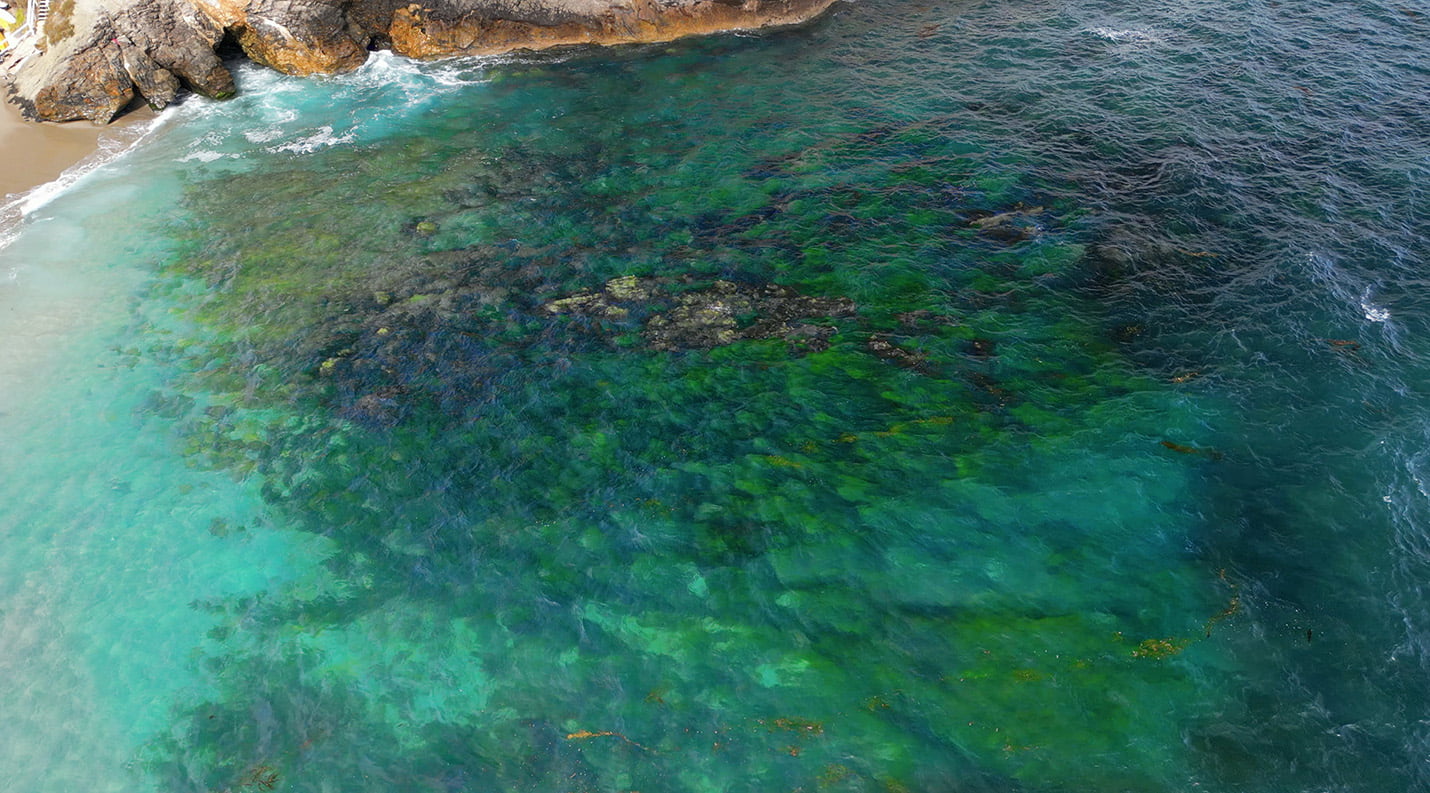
x: 97, y: 56
x: 93, y: 61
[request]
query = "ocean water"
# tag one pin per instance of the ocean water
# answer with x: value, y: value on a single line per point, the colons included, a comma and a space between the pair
x: 1004, y: 396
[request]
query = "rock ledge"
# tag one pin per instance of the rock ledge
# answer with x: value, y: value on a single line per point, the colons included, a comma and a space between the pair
x: 96, y: 56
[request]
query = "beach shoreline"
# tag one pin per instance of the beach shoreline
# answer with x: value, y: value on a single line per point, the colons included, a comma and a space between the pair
x: 32, y: 154
x: 36, y: 153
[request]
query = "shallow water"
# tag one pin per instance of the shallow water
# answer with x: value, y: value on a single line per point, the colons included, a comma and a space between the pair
x: 955, y: 397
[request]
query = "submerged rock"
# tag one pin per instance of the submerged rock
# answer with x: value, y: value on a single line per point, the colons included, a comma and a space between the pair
x: 882, y: 346
x: 1014, y: 225
x: 700, y: 319
x: 728, y: 312
x: 94, y: 57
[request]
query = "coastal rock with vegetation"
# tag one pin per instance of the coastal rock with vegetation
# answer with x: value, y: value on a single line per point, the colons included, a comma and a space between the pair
x: 93, y: 58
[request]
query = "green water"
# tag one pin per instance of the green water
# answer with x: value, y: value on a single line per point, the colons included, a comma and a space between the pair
x: 833, y: 409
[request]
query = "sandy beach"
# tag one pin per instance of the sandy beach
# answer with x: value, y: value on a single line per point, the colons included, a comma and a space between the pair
x: 33, y: 154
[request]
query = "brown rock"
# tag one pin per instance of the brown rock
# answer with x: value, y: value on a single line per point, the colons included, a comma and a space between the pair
x: 438, y: 29
x: 96, y: 55
x: 94, y: 86
x: 179, y: 41
x: 107, y: 55
x: 302, y: 36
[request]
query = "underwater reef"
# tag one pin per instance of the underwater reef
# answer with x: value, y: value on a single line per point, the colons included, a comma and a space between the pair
x: 683, y: 488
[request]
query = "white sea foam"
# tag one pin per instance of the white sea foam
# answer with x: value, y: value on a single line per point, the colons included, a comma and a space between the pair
x: 8, y: 232
x: 416, y: 82
x: 1349, y: 290
x: 1373, y: 312
x: 321, y: 139
x: 263, y: 135
x: 385, y: 68
x: 204, y: 155
x: 278, y: 112
x: 463, y: 71
x: 1143, y: 37
x: 205, y: 148
x: 272, y: 105
x: 114, y: 145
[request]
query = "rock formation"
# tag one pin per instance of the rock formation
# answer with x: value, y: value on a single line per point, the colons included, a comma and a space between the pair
x: 95, y: 56
x: 677, y: 317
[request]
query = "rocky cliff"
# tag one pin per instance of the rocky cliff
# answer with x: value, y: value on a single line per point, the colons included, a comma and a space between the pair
x: 95, y: 56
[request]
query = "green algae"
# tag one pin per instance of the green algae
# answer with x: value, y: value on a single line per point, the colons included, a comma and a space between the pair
x: 562, y: 550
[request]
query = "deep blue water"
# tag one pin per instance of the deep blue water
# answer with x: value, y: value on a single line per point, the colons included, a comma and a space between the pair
x: 1010, y: 396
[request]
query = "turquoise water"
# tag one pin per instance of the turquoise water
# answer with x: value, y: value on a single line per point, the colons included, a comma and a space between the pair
x: 1002, y: 397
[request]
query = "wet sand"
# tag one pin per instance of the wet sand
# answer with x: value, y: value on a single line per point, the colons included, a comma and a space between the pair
x: 33, y: 154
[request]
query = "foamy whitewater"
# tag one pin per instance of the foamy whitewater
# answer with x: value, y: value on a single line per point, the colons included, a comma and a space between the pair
x: 951, y: 398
